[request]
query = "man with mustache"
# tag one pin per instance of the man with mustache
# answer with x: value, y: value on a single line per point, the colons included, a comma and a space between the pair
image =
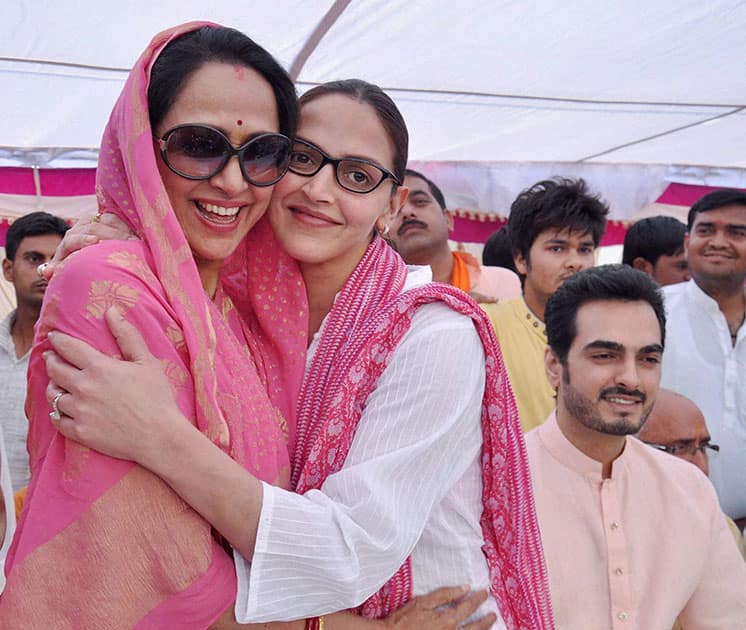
x: 705, y: 359
x: 420, y: 235
x: 555, y: 227
x: 633, y: 538
x: 30, y: 241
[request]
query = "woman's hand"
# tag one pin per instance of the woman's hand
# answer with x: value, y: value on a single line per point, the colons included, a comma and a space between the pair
x: 124, y: 409
x: 443, y: 609
x: 100, y: 227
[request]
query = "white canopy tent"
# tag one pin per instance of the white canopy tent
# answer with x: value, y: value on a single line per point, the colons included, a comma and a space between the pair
x: 496, y: 94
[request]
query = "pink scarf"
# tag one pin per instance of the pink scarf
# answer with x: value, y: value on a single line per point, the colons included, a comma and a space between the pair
x: 102, y: 542
x: 367, y: 322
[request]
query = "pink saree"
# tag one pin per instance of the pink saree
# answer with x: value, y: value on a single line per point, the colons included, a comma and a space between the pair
x: 369, y: 318
x: 103, y: 542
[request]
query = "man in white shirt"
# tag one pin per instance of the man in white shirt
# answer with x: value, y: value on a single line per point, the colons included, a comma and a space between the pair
x: 7, y: 511
x: 705, y: 357
x: 632, y: 538
x: 30, y: 241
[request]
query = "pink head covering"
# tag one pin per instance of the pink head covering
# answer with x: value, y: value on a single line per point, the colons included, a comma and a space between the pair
x: 102, y: 542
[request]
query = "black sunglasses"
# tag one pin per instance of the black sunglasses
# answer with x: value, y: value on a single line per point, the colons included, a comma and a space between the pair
x: 201, y: 152
x: 354, y: 174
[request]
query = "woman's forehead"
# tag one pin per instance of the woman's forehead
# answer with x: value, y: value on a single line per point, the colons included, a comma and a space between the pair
x: 344, y: 127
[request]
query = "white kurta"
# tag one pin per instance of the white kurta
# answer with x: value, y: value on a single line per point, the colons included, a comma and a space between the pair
x: 411, y: 484
x: 701, y: 362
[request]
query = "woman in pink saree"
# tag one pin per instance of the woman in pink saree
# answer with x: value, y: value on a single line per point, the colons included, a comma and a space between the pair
x: 103, y: 542
x: 409, y: 459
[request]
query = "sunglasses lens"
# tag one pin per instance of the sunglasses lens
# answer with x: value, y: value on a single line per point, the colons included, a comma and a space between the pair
x: 266, y: 158
x: 195, y: 151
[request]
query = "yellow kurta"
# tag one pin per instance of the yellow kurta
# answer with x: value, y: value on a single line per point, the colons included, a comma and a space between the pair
x: 522, y: 340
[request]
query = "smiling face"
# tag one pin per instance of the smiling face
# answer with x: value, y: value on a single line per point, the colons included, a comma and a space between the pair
x: 318, y: 222
x: 610, y: 379
x: 716, y: 246
x: 217, y: 213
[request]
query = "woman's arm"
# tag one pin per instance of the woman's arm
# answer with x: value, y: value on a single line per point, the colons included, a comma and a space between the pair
x: 85, y: 232
x: 443, y: 609
x: 149, y: 428
x: 401, y: 474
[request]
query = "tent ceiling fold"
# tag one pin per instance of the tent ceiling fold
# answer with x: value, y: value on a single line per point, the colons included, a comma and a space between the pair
x: 648, y: 82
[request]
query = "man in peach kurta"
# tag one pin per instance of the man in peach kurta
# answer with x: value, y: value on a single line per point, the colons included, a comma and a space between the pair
x: 633, y: 538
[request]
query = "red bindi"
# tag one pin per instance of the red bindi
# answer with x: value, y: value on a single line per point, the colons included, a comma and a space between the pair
x: 239, y: 122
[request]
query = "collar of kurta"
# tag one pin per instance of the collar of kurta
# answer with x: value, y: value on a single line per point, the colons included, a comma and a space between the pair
x: 533, y: 323
x: 569, y: 455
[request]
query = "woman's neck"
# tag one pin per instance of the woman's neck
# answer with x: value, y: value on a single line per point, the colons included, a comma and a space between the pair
x: 209, y: 272
x: 322, y: 286
x: 323, y: 281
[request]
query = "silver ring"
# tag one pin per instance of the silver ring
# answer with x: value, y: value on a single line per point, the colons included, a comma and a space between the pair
x: 55, y: 413
x: 41, y: 269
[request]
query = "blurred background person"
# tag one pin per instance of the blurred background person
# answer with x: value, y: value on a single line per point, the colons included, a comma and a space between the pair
x: 30, y: 241
x: 655, y: 245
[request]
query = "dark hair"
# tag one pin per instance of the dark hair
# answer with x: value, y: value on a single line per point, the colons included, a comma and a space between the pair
x: 434, y: 190
x: 606, y: 282
x: 33, y: 224
x: 653, y: 237
x: 188, y: 53
x: 561, y: 204
x: 386, y: 110
x: 714, y: 201
x: 498, y: 250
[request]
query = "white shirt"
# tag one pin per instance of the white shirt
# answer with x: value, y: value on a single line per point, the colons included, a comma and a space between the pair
x: 12, y: 400
x: 411, y: 484
x: 10, y: 510
x: 701, y: 363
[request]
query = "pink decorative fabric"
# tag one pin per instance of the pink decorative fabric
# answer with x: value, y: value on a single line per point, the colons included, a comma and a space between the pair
x: 102, y: 542
x: 369, y: 318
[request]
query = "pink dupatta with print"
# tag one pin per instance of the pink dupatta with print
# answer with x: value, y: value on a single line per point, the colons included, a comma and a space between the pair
x: 369, y: 318
x: 103, y: 542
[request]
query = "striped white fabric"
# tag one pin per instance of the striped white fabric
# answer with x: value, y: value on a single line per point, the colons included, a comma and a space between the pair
x: 411, y: 485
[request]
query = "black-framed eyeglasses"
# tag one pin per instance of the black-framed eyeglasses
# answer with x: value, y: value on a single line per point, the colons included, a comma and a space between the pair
x: 354, y: 174
x: 686, y: 449
x: 200, y: 152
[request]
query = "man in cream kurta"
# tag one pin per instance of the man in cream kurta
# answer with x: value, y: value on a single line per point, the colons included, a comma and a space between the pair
x: 633, y: 538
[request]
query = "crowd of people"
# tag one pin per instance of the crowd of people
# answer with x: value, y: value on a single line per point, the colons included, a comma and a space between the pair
x: 263, y: 392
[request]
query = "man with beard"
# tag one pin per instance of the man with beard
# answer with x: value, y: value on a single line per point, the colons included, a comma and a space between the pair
x: 633, y: 538
x: 30, y: 241
x: 705, y: 359
x: 555, y: 227
x: 420, y: 235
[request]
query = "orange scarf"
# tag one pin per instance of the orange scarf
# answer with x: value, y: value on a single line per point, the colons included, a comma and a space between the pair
x: 460, y: 276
